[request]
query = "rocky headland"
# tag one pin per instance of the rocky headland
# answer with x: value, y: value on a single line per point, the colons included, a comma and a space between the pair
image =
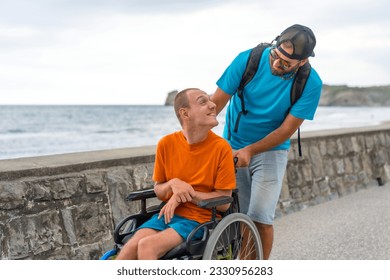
x: 355, y: 96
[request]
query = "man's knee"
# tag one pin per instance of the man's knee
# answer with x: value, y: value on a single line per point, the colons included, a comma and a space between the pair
x: 146, y: 250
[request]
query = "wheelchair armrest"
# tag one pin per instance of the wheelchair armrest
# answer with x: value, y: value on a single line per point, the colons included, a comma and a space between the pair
x: 118, y: 237
x: 142, y: 194
x: 215, y: 201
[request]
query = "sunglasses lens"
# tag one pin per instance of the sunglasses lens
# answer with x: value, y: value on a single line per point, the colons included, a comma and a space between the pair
x: 282, y: 62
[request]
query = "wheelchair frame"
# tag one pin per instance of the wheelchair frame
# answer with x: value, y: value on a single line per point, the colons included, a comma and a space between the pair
x: 222, y: 239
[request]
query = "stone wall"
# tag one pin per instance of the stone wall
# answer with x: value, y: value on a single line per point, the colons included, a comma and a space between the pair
x: 66, y: 206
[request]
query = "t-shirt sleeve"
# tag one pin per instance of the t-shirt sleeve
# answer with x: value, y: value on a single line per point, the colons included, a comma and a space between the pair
x: 230, y: 79
x: 159, y: 170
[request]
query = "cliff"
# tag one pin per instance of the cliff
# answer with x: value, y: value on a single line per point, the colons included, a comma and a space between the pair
x: 170, y: 98
x: 355, y: 96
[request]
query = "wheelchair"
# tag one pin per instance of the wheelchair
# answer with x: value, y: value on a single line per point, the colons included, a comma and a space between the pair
x: 228, y: 236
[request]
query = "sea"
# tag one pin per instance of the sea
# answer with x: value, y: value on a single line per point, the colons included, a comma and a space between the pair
x: 30, y: 131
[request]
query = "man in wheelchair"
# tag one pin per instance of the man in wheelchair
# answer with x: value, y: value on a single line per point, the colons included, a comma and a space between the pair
x: 191, y: 165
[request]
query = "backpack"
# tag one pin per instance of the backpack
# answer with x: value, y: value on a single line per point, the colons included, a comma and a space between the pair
x: 252, y: 65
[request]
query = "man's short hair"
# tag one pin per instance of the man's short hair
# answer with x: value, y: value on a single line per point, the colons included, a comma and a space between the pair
x: 182, y: 101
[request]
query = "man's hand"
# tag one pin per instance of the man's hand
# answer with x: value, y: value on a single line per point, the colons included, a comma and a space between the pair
x: 183, y: 191
x: 169, y: 208
x: 243, y: 156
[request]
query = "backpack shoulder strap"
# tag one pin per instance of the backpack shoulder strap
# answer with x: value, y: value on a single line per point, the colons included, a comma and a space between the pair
x: 252, y: 64
x: 299, y: 82
x: 297, y: 88
x: 250, y: 71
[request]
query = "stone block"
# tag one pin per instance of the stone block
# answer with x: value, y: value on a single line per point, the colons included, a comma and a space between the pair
x: 351, y: 181
x: 331, y: 147
x: 69, y: 226
x: 3, y: 242
x: 62, y: 188
x: 88, y: 252
x: 380, y: 139
x: 339, y: 166
x: 323, y: 147
x: 120, y: 184
x: 17, y: 240
x: 356, y: 164
x: 91, y: 221
x: 339, y: 186
x: 363, y: 178
x: 339, y: 147
x: 351, y: 145
x: 94, y: 182
x: 294, y: 176
x: 348, y: 167
x: 34, y: 235
x: 142, y: 175
x: 370, y: 143
x: 378, y: 157
x: 316, y: 161
x: 328, y: 167
x: 307, y: 174
x: 39, y: 191
x: 367, y: 164
x: 12, y: 195
x: 324, y: 188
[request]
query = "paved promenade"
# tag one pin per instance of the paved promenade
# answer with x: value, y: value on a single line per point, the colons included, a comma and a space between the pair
x: 354, y: 227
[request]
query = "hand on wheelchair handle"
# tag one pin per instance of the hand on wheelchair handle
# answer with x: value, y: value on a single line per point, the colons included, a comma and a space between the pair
x: 241, y: 158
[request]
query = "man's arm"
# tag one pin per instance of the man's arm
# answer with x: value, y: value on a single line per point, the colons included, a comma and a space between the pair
x: 168, y: 209
x: 220, y: 98
x: 183, y: 191
x: 276, y: 137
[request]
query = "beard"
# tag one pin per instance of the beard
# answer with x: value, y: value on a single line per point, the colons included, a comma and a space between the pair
x: 285, y: 75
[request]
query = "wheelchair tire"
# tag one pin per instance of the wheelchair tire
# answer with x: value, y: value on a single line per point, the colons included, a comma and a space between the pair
x: 110, y: 255
x: 227, y: 241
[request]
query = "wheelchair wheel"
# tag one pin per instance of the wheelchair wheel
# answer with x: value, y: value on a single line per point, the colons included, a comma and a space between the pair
x: 234, y: 238
x: 110, y: 255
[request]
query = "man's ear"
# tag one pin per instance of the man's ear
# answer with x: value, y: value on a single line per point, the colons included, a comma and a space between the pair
x: 183, y: 113
x: 303, y: 62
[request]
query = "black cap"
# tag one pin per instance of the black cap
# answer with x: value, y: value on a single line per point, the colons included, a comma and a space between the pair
x: 302, y: 39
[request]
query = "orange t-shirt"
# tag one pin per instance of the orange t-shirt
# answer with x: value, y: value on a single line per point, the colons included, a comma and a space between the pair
x: 206, y: 166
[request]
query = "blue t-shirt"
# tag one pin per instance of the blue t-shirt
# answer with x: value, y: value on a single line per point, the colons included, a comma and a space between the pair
x: 267, y: 100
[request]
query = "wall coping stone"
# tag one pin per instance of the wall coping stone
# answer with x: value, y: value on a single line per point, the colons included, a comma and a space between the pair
x: 11, y: 169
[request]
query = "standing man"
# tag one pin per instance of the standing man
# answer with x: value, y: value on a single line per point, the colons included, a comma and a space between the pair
x: 260, y: 136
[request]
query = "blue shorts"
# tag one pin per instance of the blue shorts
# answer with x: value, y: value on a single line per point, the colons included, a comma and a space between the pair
x: 181, y: 225
x: 260, y: 185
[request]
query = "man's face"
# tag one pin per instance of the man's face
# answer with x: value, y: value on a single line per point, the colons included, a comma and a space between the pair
x: 280, y: 64
x: 202, y: 111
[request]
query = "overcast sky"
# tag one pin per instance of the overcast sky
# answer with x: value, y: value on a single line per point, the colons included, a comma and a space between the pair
x: 136, y: 51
